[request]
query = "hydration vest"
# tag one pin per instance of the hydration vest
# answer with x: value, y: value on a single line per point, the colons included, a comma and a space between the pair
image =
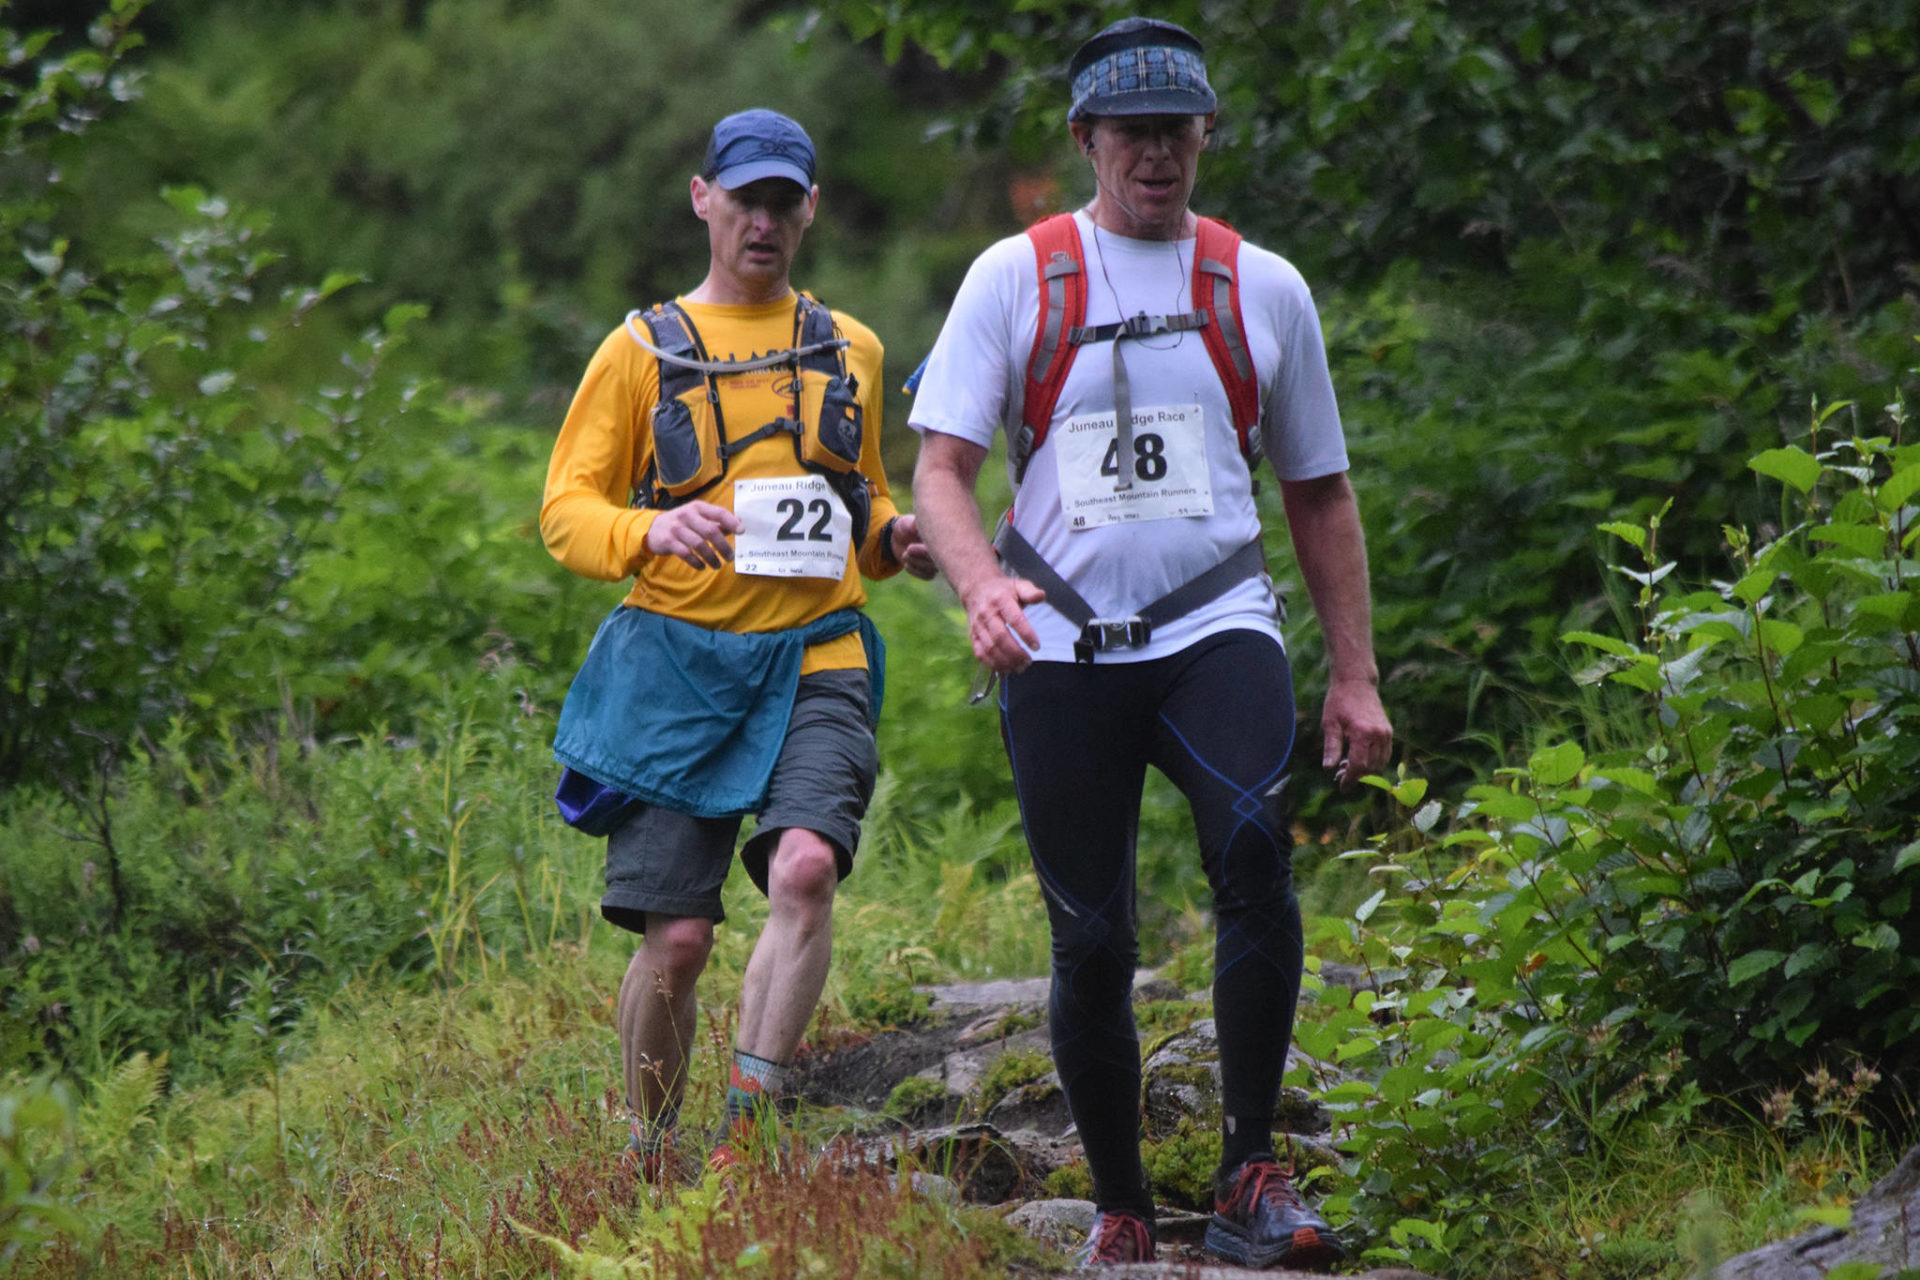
x: 1063, y: 330
x: 691, y: 447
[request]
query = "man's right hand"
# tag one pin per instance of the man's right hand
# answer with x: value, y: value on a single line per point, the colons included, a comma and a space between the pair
x: 995, y: 616
x: 697, y: 532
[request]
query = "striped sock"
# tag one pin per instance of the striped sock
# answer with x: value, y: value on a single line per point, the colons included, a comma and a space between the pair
x: 751, y: 1087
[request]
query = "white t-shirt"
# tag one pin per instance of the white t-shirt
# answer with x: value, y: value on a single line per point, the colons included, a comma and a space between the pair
x: 974, y: 385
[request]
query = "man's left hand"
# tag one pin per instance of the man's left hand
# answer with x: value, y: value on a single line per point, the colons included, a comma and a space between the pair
x: 1358, y: 736
x: 910, y: 551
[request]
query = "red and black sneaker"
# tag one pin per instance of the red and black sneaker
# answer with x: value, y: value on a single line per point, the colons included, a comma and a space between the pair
x: 1116, y: 1239
x: 1263, y: 1222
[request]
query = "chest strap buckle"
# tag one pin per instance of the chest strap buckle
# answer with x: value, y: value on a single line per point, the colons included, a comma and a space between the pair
x: 1102, y: 634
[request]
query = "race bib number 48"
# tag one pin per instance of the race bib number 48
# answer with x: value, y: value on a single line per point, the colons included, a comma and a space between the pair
x: 796, y: 527
x: 1168, y: 463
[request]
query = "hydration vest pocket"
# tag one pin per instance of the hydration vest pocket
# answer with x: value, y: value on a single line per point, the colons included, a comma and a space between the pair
x: 853, y: 491
x: 829, y: 400
x: 686, y: 443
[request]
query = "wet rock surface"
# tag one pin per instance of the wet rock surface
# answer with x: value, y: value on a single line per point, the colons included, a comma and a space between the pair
x: 981, y: 1115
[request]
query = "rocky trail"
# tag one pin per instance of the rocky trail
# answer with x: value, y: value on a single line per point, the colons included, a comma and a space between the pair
x: 969, y: 1096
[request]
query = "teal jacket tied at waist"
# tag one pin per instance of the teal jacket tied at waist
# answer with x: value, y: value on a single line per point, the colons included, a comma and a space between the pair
x: 674, y: 714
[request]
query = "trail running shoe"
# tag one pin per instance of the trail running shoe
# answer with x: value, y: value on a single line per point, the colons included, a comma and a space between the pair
x: 1262, y: 1222
x: 1116, y: 1239
x: 723, y: 1156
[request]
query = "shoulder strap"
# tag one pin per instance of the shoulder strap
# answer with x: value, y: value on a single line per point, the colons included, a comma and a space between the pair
x: 1216, y: 287
x: 673, y: 332
x: 1061, y: 269
x: 1063, y: 307
x: 813, y: 336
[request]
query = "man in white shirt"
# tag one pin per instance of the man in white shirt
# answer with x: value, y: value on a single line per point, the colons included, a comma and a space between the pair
x: 1141, y: 360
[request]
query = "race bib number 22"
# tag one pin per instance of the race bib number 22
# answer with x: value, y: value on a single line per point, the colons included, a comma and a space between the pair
x: 796, y: 527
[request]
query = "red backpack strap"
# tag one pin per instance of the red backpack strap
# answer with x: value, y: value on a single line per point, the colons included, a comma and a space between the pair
x: 1216, y: 288
x: 1063, y: 307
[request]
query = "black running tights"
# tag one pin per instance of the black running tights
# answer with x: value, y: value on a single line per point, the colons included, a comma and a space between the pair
x: 1217, y: 719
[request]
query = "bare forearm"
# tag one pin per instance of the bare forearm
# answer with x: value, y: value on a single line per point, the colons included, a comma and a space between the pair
x: 997, y: 624
x: 1331, y: 549
x: 949, y: 515
x: 1324, y: 518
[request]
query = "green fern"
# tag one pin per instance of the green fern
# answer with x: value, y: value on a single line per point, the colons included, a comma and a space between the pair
x: 117, y: 1122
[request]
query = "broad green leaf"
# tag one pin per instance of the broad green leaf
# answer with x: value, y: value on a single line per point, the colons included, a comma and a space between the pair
x: 1831, y: 409
x: 338, y: 280
x: 1812, y: 955
x: 1498, y: 802
x: 1793, y: 466
x: 1366, y: 909
x: 1891, y: 605
x: 1837, y: 1215
x: 1751, y: 588
x: 1906, y: 857
x: 1606, y: 644
x: 1411, y: 792
x: 1882, y: 937
x: 1556, y: 766
x: 1780, y: 637
x: 1752, y: 965
x: 1899, y: 488
x: 1633, y: 779
x: 1628, y: 532
x: 1861, y: 539
x: 1643, y: 674
x: 1685, y: 669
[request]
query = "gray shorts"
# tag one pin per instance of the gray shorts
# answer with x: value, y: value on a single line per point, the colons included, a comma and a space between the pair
x: 671, y: 862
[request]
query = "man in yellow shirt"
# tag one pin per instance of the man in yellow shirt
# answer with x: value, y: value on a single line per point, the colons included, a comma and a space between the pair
x: 723, y: 451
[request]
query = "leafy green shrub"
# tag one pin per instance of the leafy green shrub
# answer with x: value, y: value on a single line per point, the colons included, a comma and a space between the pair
x: 214, y: 507
x: 1721, y: 908
x: 1754, y: 870
x: 212, y: 908
x: 36, y: 1139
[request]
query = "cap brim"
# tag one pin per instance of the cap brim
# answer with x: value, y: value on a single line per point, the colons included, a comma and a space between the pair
x: 754, y: 170
x: 1148, y: 102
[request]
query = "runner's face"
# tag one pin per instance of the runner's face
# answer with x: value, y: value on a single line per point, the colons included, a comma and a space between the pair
x: 1145, y: 166
x: 754, y: 231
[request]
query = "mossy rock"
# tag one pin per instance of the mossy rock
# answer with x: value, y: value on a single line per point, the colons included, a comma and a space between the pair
x: 914, y: 1097
x: 1009, y: 1072
x: 1070, y: 1182
x: 1181, y: 1165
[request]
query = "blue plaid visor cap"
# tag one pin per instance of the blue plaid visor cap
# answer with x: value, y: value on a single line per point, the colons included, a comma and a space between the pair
x: 750, y: 145
x: 1140, y: 67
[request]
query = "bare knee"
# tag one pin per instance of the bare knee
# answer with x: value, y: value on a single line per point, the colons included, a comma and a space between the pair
x: 803, y: 873
x: 676, y: 949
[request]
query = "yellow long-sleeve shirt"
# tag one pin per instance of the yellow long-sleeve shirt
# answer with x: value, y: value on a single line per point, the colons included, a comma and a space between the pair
x: 605, y: 447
